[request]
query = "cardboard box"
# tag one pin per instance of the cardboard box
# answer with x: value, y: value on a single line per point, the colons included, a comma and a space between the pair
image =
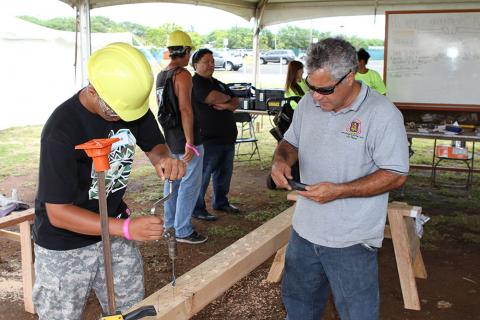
x: 451, y: 152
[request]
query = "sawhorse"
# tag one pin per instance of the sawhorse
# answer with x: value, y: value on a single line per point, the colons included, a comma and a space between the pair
x: 406, y: 244
x: 23, y: 219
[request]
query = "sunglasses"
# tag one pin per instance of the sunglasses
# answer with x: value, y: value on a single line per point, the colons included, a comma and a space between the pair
x: 325, y: 91
x: 106, y: 109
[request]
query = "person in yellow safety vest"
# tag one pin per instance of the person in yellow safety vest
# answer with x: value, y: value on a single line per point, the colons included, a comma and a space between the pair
x: 295, y: 84
x: 368, y: 76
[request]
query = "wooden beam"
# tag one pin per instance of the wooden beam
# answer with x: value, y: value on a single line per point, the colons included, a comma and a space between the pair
x: 292, y: 196
x: 387, y: 233
x: 15, y: 236
x: 15, y: 218
x: 401, y: 246
x: 276, y: 270
x: 28, y: 275
x: 201, y: 285
x: 419, y: 266
x: 23, y: 219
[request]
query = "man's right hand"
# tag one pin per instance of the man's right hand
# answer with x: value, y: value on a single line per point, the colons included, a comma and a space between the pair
x: 170, y: 168
x: 280, y: 172
x: 146, y: 228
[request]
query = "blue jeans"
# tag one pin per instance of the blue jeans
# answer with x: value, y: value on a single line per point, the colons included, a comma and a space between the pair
x: 218, y: 165
x: 310, y: 269
x: 178, y: 209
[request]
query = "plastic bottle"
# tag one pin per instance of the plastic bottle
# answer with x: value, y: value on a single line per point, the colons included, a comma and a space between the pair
x: 14, y: 195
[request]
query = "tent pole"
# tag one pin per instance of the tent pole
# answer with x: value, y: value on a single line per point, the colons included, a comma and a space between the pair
x: 256, y: 38
x: 84, y: 47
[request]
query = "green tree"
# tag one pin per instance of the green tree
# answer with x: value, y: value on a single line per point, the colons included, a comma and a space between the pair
x: 64, y: 24
x: 197, y: 39
x: 215, y: 38
x: 239, y: 38
x: 104, y: 24
x: 363, y: 43
x: 136, y: 29
x: 290, y: 37
x: 158, y: 36
x: 267, y: 40
x: 320, y: 35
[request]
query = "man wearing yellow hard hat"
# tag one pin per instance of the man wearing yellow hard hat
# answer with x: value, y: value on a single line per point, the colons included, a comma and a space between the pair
x: 68, y: 250
x: 182, y: 136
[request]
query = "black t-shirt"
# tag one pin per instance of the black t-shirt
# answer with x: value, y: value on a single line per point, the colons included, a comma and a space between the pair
x: 66, y: 175
x: 175, y: 137
x: 217, y: 126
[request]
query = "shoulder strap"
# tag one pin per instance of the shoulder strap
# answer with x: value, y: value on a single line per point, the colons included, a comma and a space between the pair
x: 164, y: 75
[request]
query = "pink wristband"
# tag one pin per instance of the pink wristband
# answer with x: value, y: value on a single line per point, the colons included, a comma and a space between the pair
x: 126, y: 232
x: 189, y: 146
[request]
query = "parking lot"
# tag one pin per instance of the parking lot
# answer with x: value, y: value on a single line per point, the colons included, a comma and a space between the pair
x: 271, y: 75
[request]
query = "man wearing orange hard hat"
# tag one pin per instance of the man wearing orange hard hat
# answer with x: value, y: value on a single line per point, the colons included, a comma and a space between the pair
x: 68, y: 248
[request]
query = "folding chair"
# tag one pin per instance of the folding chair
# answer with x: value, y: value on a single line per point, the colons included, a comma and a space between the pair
x: 246, y: 135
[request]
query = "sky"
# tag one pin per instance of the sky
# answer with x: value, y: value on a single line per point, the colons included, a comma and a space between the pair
x: 188, y: 16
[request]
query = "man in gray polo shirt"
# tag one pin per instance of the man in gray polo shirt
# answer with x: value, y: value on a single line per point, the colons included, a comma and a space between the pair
x: 352, y: 147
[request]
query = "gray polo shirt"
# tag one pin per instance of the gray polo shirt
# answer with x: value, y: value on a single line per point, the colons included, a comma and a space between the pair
x: 341, y: 147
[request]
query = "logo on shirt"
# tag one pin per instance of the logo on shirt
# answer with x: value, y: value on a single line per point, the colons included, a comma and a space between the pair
x: 354, y: 129
x: 121, y: 160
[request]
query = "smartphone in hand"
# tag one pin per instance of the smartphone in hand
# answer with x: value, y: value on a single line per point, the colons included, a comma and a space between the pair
x: 297, y: 185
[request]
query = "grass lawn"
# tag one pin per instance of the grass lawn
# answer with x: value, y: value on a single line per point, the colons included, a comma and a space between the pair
x: 19, y: 149
x: 453, y: 208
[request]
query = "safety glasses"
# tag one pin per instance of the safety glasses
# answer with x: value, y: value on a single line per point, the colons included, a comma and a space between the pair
x: 325, y: 91
x: 106, y: 109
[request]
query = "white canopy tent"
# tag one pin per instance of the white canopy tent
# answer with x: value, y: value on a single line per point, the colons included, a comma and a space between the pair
x: 280, y: 11
x: 269, y: 12
x: 29, y: 54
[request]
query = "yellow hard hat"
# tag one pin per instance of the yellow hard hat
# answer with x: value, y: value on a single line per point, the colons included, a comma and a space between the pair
x: 122, y: 77
x: 178, y: 38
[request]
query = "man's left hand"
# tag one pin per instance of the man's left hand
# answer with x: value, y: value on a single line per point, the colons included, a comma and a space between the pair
x: 322, y: 192
x: 171, y: 169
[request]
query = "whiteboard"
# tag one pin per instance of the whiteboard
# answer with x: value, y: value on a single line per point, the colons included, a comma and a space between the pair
x: 433, y: 58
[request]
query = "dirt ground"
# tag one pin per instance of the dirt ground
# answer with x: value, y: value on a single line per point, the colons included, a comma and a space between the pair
x: 451, y: 252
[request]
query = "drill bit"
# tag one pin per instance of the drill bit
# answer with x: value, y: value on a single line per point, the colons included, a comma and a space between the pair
x: 169, y: 235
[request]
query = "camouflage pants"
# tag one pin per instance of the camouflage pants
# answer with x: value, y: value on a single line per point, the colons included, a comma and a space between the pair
x: 64, y: 279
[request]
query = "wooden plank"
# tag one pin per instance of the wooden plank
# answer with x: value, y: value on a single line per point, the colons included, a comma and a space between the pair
x: 15, y: 218
x: 201, y: 285
x: 276, y: 270
x: 292, y: 196
x: 15, y: 236
x: 387, y: 233
x: 413, y: 240
x: 401, y: 246
x: 419, y: 266
x: 27, y: 265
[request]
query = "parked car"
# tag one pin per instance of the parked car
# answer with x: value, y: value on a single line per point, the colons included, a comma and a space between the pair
x: 241, y: 52
x: 284, y: 56
x: 237, y: 52
x: 227, y: 61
